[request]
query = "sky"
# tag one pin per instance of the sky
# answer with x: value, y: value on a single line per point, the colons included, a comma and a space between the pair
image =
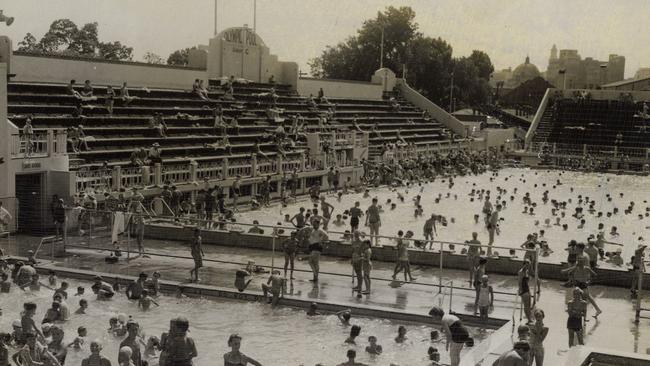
x: 298, y: 30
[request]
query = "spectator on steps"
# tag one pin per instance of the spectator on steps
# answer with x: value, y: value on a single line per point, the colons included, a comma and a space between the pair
x: 124, y: 95
x: 199, y: 90
x: 321, y: 94
x: 110, y: 99
x: 87, y: 90
x: 394, y: 105
x: 355, y: 123
x: 219, y: 123
x: 234, y: 124
x: 158, y: 123
x: 311, y: 103
x: 154, y: 154
x: 71, y: 90
x: 73, y: 138
x: 139, y: 157
x: 272, y: 80
x: 81, y: 138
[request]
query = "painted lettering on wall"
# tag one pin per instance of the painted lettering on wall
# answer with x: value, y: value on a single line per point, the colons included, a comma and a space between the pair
x: 242, y: 36
x: 31, y: 165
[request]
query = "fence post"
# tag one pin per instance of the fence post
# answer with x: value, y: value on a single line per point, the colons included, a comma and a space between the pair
x: 224, y: 168
x: 584, y: 149
x: 117, y: 177
x: 639, y: 282
x: 254, y: 166
x: 157, y: 174
x: 303, y: 159
x: 440, y: 275
x: 279, y: 162
x: 193, y: 170
x: 50, y: 142
x: 451, y: 295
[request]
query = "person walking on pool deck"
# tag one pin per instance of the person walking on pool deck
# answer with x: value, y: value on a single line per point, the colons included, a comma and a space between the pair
x: 366, y: 264
x: 581, y: 275
x: 373, y: 220
x: 357, y: 260
x: 473, y: 255
x: 197, y: 255
x: 493, y: 227
x: 317, y: 239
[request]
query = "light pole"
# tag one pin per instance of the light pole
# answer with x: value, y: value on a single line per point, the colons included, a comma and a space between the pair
x: 563, y: 72
x: 215, y: 16
x: 381, y: 49
x: 451, y: 92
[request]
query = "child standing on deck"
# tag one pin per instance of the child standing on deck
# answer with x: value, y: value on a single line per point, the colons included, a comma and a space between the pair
x: 485, y: 298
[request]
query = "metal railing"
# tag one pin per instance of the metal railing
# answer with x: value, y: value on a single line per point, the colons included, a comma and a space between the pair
x: 98, y: 226
x: 583, y: 150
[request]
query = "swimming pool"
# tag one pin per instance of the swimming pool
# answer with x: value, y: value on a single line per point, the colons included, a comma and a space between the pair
x: 281, y: 336
x: 516, y: 225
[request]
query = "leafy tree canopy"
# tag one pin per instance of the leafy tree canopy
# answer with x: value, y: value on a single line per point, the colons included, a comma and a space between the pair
x: 65, y: 38
x: 428, y: 61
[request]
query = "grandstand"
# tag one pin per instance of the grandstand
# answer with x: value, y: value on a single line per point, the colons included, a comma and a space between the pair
x: 597, y: 123
x: 355, y: 121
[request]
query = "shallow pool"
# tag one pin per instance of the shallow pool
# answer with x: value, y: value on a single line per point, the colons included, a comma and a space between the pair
x: 516, y: 225
x: 280, y: 336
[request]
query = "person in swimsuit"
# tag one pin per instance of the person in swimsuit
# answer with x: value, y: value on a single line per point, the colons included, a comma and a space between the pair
x: 235, y: 357
x: 197, y: 255
x: 357, y: 260
x: 456, y: 334
x: 524, y: 289
x: 430, y: 229
x: 355, y: 214
x: 576, y: 308
x: 538, y: 333
x: 317, y: 239
x: 473, y: 254
x: 327, y: 210
x: 299, y: 219
x: 373, y: 220
x: 290, y: 247
x: 366, y: 264
x: 178, y: 348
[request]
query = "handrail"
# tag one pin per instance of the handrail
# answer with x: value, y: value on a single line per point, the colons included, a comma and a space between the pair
x: 537, y: 118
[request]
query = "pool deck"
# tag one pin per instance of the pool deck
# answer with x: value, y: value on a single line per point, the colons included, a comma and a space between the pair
x: 613, y: 330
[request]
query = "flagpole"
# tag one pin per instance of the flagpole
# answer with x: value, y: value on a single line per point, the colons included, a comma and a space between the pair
x: 254, y: 16
x: 215, y: 16
x: 381, y: 49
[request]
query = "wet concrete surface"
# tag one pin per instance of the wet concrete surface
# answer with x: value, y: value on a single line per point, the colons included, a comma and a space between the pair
x: 614, y: 329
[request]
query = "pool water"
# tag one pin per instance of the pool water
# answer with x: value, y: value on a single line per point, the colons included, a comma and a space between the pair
x: 516, y: 225
x: 281, y: 336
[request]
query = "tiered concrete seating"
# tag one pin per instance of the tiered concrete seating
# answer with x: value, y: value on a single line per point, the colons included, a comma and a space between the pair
x: 595, y: 123
x: 112, y: 137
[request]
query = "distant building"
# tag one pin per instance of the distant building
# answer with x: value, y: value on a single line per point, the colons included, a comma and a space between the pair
x: 629, y: 84
x: 513, y: 78
x: 571, y: 71
x: 642, y: 73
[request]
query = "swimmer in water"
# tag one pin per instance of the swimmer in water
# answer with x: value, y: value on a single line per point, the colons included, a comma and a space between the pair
x: 354, y: 333
x: 145, y: 301
x: 401, y: 334
x: 373, y: 348
x: 344, y: 316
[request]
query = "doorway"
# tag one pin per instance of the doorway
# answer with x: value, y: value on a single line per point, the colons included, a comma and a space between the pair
x: 29, y: 192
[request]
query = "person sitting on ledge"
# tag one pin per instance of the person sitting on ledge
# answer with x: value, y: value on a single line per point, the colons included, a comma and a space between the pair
x: 71, y: 90
x: 124, y: 95
x: 199, y: 90
x: 256, y: 229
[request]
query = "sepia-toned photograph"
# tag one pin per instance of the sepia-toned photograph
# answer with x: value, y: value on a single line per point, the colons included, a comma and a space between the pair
x: 324, y: 183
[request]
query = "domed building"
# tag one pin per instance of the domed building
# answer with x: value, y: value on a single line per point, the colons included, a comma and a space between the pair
x: 523, y: 73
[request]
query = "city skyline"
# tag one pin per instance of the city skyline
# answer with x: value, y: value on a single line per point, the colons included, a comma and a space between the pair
x: 299, y: 30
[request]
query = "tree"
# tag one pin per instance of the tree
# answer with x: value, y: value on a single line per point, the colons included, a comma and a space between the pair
x: 65, y: 38
x: 115, y: 51
x: 29, y: 44
x: 59, y: 37
x: 180, y: 57
x: 152, y: 58
x: 428, y: 60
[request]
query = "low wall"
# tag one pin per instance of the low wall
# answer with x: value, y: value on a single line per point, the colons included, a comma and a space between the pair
x: 340, y: 88
x: 451, y: 260
x: 63, y: 69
